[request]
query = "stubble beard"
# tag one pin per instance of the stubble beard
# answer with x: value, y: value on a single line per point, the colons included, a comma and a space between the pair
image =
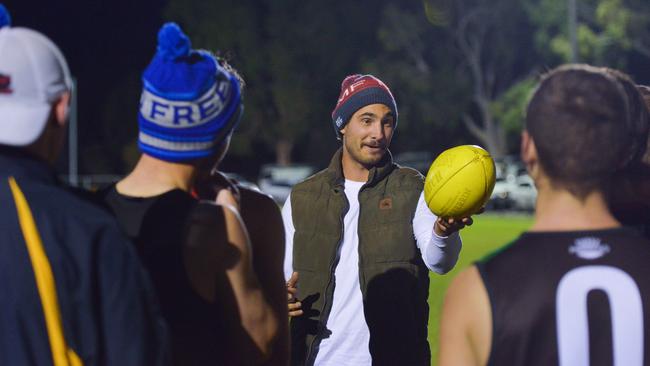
x: 368, y: 161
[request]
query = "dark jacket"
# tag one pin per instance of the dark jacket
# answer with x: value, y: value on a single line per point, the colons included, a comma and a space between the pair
x: 393, y: 278
x: 71, y: 285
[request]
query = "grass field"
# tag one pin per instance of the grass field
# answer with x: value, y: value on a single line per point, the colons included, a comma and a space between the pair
x: 489, y: 232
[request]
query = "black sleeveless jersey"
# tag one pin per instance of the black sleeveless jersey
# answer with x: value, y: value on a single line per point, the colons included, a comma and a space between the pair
x: 570, y: 299
x: 157, y: 226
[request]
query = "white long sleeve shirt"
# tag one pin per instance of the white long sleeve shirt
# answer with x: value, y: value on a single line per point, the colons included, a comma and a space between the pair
x: 349, y: 338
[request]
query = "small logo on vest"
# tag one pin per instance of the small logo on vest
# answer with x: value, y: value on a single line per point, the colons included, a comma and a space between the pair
x: 5, y: 84
x: 589, y: 248
x: 386, y: 203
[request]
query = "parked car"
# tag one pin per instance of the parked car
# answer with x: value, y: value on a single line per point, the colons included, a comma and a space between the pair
x: 500, y: 198
x: 514, y: 193
x: 277, y: 180
x: 524, y: 193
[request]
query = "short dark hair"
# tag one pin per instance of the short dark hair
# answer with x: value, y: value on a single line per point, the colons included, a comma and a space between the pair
x: 639, y: 117
x: 644, y: 159
x: 578, y: 120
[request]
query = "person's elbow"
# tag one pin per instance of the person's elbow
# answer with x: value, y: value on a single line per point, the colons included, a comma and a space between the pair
x: 443, y: 262
x: 263, y: 327
x: 442, y: 267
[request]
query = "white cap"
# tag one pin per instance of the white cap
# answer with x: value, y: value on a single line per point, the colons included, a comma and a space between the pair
x: 33, y: 75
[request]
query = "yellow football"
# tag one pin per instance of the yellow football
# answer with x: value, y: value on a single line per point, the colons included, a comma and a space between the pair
x: 459, y: 181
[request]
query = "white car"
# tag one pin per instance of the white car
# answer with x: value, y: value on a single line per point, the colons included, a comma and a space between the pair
x: 518, y: 193
x: 277, y: 180
x: 524, y: 194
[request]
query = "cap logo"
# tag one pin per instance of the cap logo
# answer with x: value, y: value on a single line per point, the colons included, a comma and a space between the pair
x: 5, y: 84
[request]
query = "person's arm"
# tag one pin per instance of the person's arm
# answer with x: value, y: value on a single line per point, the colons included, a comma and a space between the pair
x: 439, y: 253
x: 466, y: 322
x: 264, y: 223
x: 254, y: 309
x: 133, y: 330
x: 294, y: 306
x: 208, y: 253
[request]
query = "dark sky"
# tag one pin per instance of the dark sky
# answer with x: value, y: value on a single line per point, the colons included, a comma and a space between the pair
x: 102, y: 40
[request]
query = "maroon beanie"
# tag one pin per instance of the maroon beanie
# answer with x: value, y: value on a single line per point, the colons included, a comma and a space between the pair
x: 358, y: 91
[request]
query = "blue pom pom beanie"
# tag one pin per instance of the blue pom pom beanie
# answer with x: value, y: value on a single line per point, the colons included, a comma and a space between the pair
x: 189, y: 103
x: 5, y: 18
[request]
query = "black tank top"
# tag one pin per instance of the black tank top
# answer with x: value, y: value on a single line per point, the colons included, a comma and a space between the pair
x: 157, y: 226
x: 570, y: 299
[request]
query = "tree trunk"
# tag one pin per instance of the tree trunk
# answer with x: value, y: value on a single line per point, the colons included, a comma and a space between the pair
x: 492, y: 136
x: 283, y: 152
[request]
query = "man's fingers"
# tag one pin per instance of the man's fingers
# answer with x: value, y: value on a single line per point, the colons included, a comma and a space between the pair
x: 295, y: 313
x: 295, y: 309
x: 292, y: 292
x: 467, y: 221
x: 293, y: 281
x: 443, y: 222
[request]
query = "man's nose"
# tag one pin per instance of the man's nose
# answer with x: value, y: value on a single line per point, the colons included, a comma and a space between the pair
x: 377, y: 131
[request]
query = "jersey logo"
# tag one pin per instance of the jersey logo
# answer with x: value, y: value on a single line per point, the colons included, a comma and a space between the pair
x: 589, y: 248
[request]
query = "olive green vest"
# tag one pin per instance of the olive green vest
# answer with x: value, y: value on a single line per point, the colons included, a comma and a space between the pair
x: 394, y: 280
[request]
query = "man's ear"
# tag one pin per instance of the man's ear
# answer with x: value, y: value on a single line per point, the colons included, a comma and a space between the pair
x: 528, y: 151
x: 61, y: 109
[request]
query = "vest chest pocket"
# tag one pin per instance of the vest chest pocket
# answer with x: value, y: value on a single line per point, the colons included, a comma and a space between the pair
x: 386, y: 228
x: 387, y: 209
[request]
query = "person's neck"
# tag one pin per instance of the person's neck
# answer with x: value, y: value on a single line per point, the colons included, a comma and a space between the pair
x: 352, y: 169
x: 152, y: 177
x: 559, y: 210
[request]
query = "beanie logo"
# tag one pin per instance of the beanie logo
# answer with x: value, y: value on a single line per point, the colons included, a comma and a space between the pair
x: 182, y: 113
x: 351, y: 89
x: 5, y: 84
x: 339, y: 122
x: 363, y: 83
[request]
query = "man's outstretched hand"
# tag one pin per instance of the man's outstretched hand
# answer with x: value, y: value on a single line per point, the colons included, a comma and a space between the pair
x: 448, y: 226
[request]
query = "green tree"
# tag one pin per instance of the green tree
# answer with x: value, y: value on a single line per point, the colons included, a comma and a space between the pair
x: 415, y: 62
x: 292, y: 54
x: 510, y: 109
x: 492, y: 46
x: 607, y: 30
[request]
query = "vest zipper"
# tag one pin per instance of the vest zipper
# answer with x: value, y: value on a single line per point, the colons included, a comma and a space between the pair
x: 329, y: 293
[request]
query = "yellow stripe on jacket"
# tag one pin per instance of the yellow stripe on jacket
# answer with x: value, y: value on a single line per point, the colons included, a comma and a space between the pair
x: 61, y: 353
